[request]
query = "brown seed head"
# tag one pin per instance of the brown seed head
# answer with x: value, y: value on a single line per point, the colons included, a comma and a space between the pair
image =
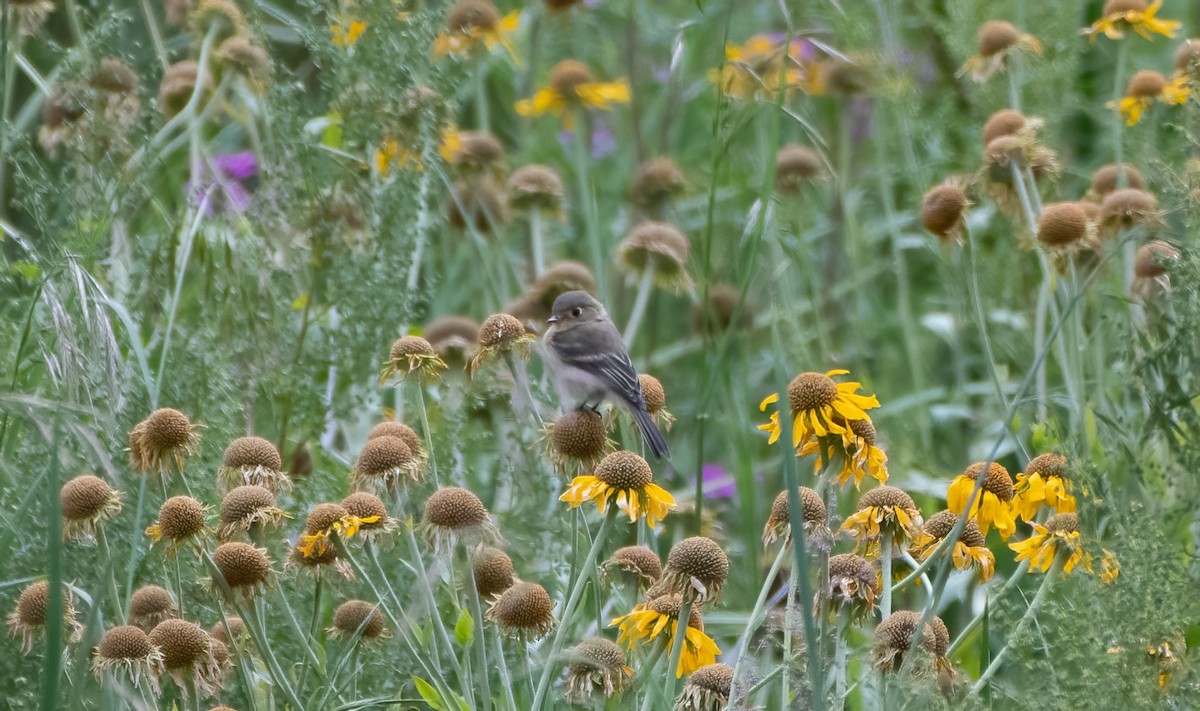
x: 1047, y: 465
x: 252, y: 452
x: 814, y: 508
x: 657, y: 242
x: 410, y: 346
x: 479, y: 203
x: 451, y: 335
x: 701, y: 558
x: 493, y: 571
x: 888, y: 497
x: 33, y: 604
x: 717, y: 678
x: 652, y: 391
x: 559, y: 278
x: 383, y: 455
x: 352, y: 614
x: 1152, y: 259
x: 391, y: 428
x: 722, y: 300
x: 639, y: 560
x: 855, y: 568
x: 1004, y: 151
x: 671, y: 605
x: 579, y: 434
x: 322, y: 516
x: 1062, y: 224
x: 568, y: 75
x: 597, y: 653
x: 1129, y: 206
x: 624, y: 470
x: 245, y: 57
x: 1005, y: 122
x: 149, y: 605
x: 998, y: 481
x: 467, y: 15
x: 237, y: 628
x: 479, y: 148
x: 452, y: 507
x: 114, y: 76
x: 85, y: 497
x: 942, y: 209
x: 536, y: 186
x: 941, y: 523
x: 524, y: 608
x: 242, y: 503
x: 796, y: 165
x: 1112, y: 7
x: 1186, y: 55
x: 125, y: 642
x: 364, y: 505
x: 1063, y: 523
x: 177, y: 86
x: 242, y: 564
x: 1146, y: 84
x: 897, y: 630
x: 167, y: 429
x: 223, y: 16
x: 181, y: 517
x: 811, y: 391
x: 500, y: 331
x: 183, y: 643
x: 995, y: 36
x: 656, y: 180
x: 1105, y: 179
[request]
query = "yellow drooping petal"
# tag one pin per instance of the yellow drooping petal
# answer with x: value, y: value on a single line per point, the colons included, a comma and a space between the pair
x: 543, y: 102
x: 347, y: 34
x: 601, y: 95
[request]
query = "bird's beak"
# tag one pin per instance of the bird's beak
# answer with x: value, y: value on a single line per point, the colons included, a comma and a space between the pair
x: 552, y: 319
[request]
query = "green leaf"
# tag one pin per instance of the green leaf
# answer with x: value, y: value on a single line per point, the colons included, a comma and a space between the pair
x: 464, y: 628
x: 27, y: 270
x: 429, y: 694
x: 301, y: 301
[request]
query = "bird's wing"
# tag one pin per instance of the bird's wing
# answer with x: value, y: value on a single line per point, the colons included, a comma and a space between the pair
x: 609, y: 362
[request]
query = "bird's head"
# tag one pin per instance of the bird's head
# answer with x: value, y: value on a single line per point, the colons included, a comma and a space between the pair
x: 573, y: 308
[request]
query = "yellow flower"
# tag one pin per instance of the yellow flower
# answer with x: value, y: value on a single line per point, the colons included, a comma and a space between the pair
x: 753, y: 68
x: 970, y: 550
x: 1110, y: 567
x: 1144, y: 89
x: 1060, y: 535
x: 1118, y: 15
x: 345, y: 34
x: 473, y: 25
x: 626, y: 476
x: 859, y: 454
x: 997, y: 40
x: 993, y: 505
x: 572, y: 86
x: 452, y: 144
x: 649, y: 620
x: 1165, y: 658
x: 1044, y: 482
x: 314, y: 544
x: 820, y: 407
x: 884, y: 511
x: 391, y: 154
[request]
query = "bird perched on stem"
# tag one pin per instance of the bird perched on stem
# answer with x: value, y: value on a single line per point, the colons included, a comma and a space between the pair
x: 590, y: 363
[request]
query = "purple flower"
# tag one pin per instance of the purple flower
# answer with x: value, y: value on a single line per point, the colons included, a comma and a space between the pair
x: 718, y: 483
x: 604, y: 143
x: 228, y: 188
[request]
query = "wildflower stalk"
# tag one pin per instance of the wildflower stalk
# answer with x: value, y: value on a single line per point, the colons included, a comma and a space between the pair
x: 521, y: 375
x: 1038, y: 599
x: 481, y: 104
x: 427, y: 590
x: 789, y: 625
x: 1011, y: 583
x: 479, y: 641
x: 645, y: 282
x: 9, y: 48
x: 681, y: 627
x: 757, y: 615
x: 537, y: 241
x: 506, y: 679
x: 110, y: 573
x: 580, y: 143
x: 981, y: 316
x: 160, y: 49
x: 581, y: 578
x: 885, y: 562
x: 424, y: 414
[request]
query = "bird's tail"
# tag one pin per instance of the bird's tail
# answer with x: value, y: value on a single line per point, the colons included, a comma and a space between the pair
x: 651, y: 434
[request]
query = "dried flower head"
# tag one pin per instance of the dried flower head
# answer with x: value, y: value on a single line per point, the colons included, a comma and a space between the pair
x: 1129, y: 207
x: 246, y: 568
x: 796, y: 166
x: 499, y: 336
x: 370, y: 510
x: 454, y: 515
x: 325, y: 521
x: 559, y: 278
x: 1146, y: 87
x: 627, y: 477
x: 412, y: 354
x: 641, y: 563
x: 596, y: 666
x: 391, y: 428
x: 237, y: 631
x: 1108, y: 178
x: 493, y: 571
x: 524, y: 611
x: 1058, y: 541
x: 128, y: 650
x: 997, y: 40
x: 884, y: 512
x: 149, y: 605
x: 660, y: 248
x: 452, y: 337
x: 478, y: 204
x: 385, y: 462
x: 253, y: 460
x: 779, y: 522
x: 1005, y: 122
x: 943, y: 211
x: 993, y: 505
x: 246, y: 507
x: 656, y: 400
x: 894, y: 636
x: 474, y: 26
x: 473, y: 150
x: 1186, y: 57
x: 655, y: 182
x: 696, y: 568
x: 717, y: 314
x: 577, y: 441
x: 223, y: 18
x: 114, y: 76
x: 178, y: 85
x: 1064, y: 225
x: 853, y: 585
x: 180, y: 519
x: 33, y: 609
x: 354, y: 615
x: 1154, y: 259
x: 247, y: 58
x: 187, y: 651
x: 969, y: 551
x: 707, y: 689
x: 310, y: 558
x: 536, y: 187
x: 163, y: 437
x: 87, y: 502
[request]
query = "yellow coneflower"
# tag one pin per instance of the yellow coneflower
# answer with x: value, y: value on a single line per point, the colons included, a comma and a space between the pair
x: 473, y: 26
x: 253, y: 460
x: 993, y: 505
x: 87, y: 502
x: 412, y: 354
x: 577, y: 441
x: 970, y: 550
x: 647, y: 623
x: 536, y: 187
x: 246, y: 507
x: 753, y: 68
x: 479, y: 204
x: 1144, y: 89
x: 499, y: 335
x: 639, y: 562
x: 1059, y: 536
x: 894, y: 636
x: 317, y: 564
x: 707, y: 689
x: 324, y: 521
x: 180, y: 519
x: 1120, y: 15
x: 1044, y: 482
x: 347, y: 31
x: 454, y: 515
x: 627, y: 477
x: 595, y: 666
x: 884, y: 511
x: 162, y: 438
x: 385, y: 462
x: 237, y: 631
x: 660, y: 248
x: 149, y: 605
x: 997, y: 40
x: 573, y: 88
x: 853, y: 585
x: 858, y: 450
x: 354, y: 615
x: 128, y: 650
x: 820, y: 407
x: 1065, y: 226
x: 187, y: 652
x: 1129, y: 207
x: 33, y: 606
x: 523, y: 611
x: 1108, y: 178
x: 371, y: 513
x: 943, y: 211
x: 696, y: 569
x: 655, y: 182
x: 779, y: 522
x: 492, y: 571
x: 656, y: 401
x: 1110, y: 567
x: 246, y: 568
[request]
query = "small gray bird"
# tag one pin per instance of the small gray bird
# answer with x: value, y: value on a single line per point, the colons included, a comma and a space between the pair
x: 585, y: 352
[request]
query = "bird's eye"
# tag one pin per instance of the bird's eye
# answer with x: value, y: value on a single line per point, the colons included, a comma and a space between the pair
x: 576, y: 312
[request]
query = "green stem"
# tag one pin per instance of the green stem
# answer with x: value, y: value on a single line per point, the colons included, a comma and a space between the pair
x: 885, y: 563
x: 682, y: 623
x: 156, y: 39
x: 480, y: 642
x: 789, y: 627
x: 581, y: 144
x: 481, y: 104
x: 975, y: 621
x: 506, y: 679
x: 427, y: 590
x: 109, y: 562
x: 757, y: 615
x: 428, y: 436
x: 537, y: 241
x: 573, y: 598
x: 1034, y: 606
x: 645, y: 282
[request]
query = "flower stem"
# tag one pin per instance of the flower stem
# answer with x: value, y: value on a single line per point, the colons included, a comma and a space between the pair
x: 428, y: 433
x: 577, y: 587
x: 639, y: 306
x: 682, y: 624
x: 481, y: 104
x: 970, y: 626
x: 840, y: 650
x: 537, y: 240
x: 1034, y: 606
x: 427, y: 589
x: 885, y: 563
x: 757, y: 615
x: 505, y: 676
x: 789, y: 624
x: 480, y: 642
x: 102, y: 538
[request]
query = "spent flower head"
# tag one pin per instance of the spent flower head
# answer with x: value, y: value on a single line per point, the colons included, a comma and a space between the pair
x: 455, y: 515
x: 524, y: 611
x: 412, y: 354
x: 1043, y: 483
x: 493, y: 571
x: 358, y: 617
x: 648, y: 622
x: 628, y: 478
x: 779, y: 523
x: 660, y: 250
x: 577, y: 441
x: 970, y: 550
x: 998, y: 40
x: 180, y: 519
x: 884, y: 512
x: 385, y: 463
x: 188, y: 656
x: 1137, y: 15
x: 853, y: 585
x: 149, y: 605
x: 638, y: 562
x: 696, y: 569
x: 33, y: 608
x: 161, y: 439
x: 253, y: 460
x: 246, y: 507
x: 87, y: 502
x: 127, y: 651
x: 596, y: 667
